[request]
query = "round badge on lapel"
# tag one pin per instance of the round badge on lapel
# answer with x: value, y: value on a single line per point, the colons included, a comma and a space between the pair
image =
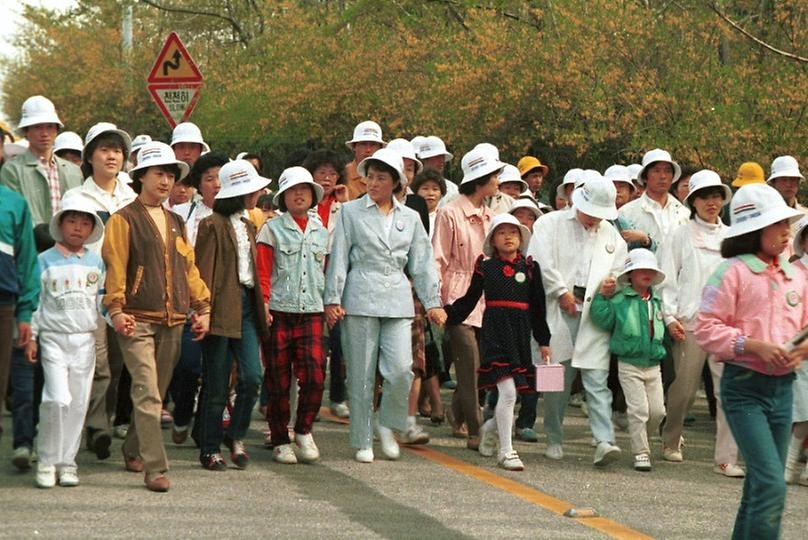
x: 400, y: 225
x: 609, y: 248
x: 793, y: 298
x: 520, y: 277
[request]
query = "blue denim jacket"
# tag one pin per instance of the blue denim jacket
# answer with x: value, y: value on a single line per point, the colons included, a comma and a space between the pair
x: 299, y: 264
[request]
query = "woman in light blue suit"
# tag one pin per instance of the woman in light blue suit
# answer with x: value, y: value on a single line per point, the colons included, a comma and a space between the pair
x: 378, y: 242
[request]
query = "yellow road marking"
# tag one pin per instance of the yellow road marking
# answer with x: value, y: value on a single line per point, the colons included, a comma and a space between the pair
x: 524, y: 492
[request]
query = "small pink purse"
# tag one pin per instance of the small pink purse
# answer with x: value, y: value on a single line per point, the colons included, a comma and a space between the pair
x: 550, y: 378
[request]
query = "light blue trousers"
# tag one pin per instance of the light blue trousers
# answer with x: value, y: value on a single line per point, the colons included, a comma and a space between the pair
x: 369, y: 343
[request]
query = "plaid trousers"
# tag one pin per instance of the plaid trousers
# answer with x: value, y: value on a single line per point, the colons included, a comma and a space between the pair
x: 295, y: 345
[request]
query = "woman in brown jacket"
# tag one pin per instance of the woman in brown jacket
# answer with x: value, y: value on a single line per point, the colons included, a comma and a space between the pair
x: 225, y: 253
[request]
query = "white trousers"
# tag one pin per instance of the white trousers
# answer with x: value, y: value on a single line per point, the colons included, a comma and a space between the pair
x: 645, y: 406
x: 68, y: 364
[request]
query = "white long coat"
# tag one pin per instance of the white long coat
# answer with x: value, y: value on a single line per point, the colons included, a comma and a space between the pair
x: 552, y: 246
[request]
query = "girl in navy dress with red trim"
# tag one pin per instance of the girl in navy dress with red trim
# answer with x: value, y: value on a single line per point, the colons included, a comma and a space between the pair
x: 514, y: 307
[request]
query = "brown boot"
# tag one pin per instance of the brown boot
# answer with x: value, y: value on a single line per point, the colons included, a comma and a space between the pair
x: 156, y: 482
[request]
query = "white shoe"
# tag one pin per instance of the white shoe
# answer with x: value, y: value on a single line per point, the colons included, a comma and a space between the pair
x: 606, y: 453
x: 414, y: 435
x: 68, y: 477
x: 488, y: 440
x: 642, y: 462
x: 284, y: 454
x: 554, y: 451
x: 511, y: 462
x: 340, y: 409
x: 45, y: 476
x: 390, y: 447
x: 730, y: 470
x: 307, y: 451
x: 672, y: 454
x: 364, y: 455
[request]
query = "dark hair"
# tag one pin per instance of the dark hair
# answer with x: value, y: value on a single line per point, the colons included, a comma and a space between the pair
x: 318, y: 158
x: 282, y: 199
x: 105, y: 139
x: 138, y: 174
x: 229, y: 206
x: 66, y: 151
x: 201, y: 165
x: 687, y: 172
x: 740, y: 245
x: 470, y: 187
x: 67, y: 213
x: 265, y: 202
x: 248, y: 156
x: 428, y: 175
x: 703, y: 194
x: 381, y: 166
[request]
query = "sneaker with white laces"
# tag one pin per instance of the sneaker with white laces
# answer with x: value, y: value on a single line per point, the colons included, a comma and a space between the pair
x: 488, y: 439
x: 284, y: 454
x: 511, y: 461
x: 340, y: 409
x: 730, y: 470
x: 45, y: 476
x: 605, y: 454
x: 22, y: 458
x: 672, y: 454
x: 390, y: 447
x: 554, y: 451
x: 69, y: 476
x: 306, y: 451
x: 414, y: 434
x: 642, y: 462
x: 364, y: 455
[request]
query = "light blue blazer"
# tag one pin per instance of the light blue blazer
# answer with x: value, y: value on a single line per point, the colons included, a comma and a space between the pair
x: 365, y: 272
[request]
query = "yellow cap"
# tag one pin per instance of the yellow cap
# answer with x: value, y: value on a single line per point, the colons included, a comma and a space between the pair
x: 528, y: 163
x: 749, y: 173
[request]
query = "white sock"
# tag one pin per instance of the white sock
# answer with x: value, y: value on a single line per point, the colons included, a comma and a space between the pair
x: 503, y: 413
x: 410, y: 421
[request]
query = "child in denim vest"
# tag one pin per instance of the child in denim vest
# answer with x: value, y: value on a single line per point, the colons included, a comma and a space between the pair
x: 291, y: 263
x: 634, y: 318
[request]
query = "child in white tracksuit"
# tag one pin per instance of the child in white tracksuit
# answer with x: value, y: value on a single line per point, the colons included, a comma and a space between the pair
x: 71, y: 280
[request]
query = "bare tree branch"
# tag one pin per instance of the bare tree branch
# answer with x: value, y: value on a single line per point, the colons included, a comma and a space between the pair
x: 757, y: 40
x: 243, y: 37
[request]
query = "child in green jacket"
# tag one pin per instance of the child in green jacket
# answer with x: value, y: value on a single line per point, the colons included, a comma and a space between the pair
x: 634, y: 318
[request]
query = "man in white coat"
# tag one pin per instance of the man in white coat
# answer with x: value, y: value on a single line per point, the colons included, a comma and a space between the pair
x: 577, y: 250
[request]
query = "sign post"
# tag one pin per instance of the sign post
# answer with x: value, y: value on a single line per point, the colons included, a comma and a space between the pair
x: 175, y: 81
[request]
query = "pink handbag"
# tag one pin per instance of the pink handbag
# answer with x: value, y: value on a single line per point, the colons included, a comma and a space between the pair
x: 550, y: 378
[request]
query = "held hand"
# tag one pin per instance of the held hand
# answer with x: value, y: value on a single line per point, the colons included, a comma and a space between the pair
x: 770, y: 353
x: 635, y: 236
x: 23, y: 333
x: 608, y: 287
x: 124, y: 324
x: 677, y: 331
x: 333, y: 314
x: 545, y: 354
x: 567, y: 303
x: 341, y: 193
x: 437, y: 316
x: 200, y: 324
x: 30, y: 351
x: 268, y: 315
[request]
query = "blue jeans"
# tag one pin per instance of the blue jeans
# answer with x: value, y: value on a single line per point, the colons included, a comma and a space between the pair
x: 26, y: 393
x: 216, y: 367
x: 758, y: 411
x: 336, y: 389
x: 185, y: 382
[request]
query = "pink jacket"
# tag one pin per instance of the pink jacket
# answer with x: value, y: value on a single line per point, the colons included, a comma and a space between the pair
x: 744, y: 298
x: 460, y: 231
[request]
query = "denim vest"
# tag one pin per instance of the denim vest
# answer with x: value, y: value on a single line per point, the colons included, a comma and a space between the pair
x: 298, y: 278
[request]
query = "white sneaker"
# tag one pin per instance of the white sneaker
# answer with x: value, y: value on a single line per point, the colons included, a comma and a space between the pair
x: 642, y: 462
x: 284, y: 454
x: 307, y: 451
x: 488, y: 440
x: 45, y: 476
x: 364, y: 455
x: 606, y: 453
x: 390, y: 447
x: 672, y: 454
x: 68, y: 476
x: 554, y: 451
x: 414, y: 434
x: 730, y: 470
x: 340, y: 409
x: 511, y: 462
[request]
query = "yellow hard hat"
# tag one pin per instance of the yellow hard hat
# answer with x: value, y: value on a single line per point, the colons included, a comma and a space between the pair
x: 749, y: 173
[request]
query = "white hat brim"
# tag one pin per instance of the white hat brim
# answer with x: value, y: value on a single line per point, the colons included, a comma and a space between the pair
x: 488, y: 250
x: 127, y: 141
x: 590, y: 209
x: 447, y: 156
x: 789, y: 173
x: 362, y: 169
x: 56, y: 232
x: 493, y: 167
x: 677, y: 171
x: 764, y: 220
x: 318, y: 191
x: 34, y: 120
x: 255, y: 184
x: 726, y: 188
x: 622, y: 278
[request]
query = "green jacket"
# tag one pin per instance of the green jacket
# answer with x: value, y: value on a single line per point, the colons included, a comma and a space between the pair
x: 24, y: 175
x: 19, y: 269
x: 625, y: 316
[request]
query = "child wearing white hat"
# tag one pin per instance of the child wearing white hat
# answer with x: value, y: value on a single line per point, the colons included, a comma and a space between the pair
x: 68, y: 146
x: 633, y: 317
x: 751, y: 306
x: 71, y: 281
x: 292, y: 251
x: 514, y: 310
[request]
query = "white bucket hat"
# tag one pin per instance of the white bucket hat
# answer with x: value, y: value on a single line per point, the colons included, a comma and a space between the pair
x: 238, y: 178
x: 479, y: 162
x: 188, y: 132
x: 653, y: 156
x: 488, y: 148
x: 15, y: 148
x: 68, y: 140
x: 511, y: 174
x: 596, y: 198
x: 503, y: 219
x: 367, y: 131
x: 619, y: 173
x: 432, y: 146
x: 294, y: 176
x: 388, y: 156
x: 641, y: 259
x: 526, y: 202
x: 785, y: 166
x: 706, y: 179
x: 407, y: 150
x: 76, y: 203
x: 38, y: 110
x: 756, y: 206
x: 572, y: 176
x: 106, y: 127
x: 138, y: 142
x: 797, y: 244
x: 155, y: 154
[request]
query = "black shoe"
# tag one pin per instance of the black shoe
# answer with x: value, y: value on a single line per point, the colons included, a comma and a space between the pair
x: 213, y: 462
x: 100, y: 444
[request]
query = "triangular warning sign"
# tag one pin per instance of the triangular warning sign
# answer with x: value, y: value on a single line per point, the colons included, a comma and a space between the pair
x: 174, y: 64
x: 175, y: 101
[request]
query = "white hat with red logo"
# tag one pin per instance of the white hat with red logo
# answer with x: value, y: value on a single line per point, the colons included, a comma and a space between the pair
x: 431, y: 146
x: 756, y: 206
x: 156, y: 154
x: 367, y: 131
x: 239, y: 178
x: 479, y: 162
